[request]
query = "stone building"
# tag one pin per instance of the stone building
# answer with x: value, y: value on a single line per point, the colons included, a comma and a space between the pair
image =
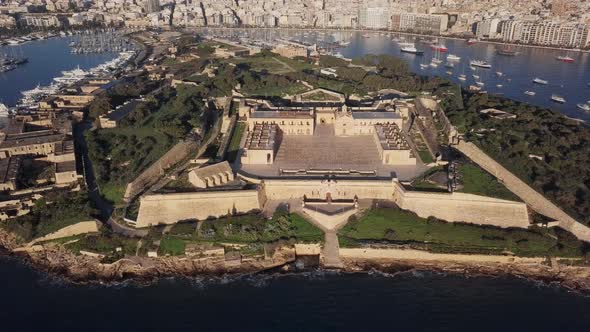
x: 9, y: 169
x: 211, y: 176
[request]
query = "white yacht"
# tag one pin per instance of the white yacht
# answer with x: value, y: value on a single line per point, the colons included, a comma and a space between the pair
x: 557, y: 99
x: 410, y: 48
x: 530, y: 93
x: 480, y: 63
x: 540, y: 81
x: 584, y: 107
x: 453, y: 57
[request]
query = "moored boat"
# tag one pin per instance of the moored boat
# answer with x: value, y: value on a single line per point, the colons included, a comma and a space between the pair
x: 563, y: 58
x: 480, y: 63
x: 540, y: 81
x: 557, y: 99
x: 506, y: 52
x: 584, y: 107
x: 453, y: 57
x: 439, y: 47
x: 410, y: 48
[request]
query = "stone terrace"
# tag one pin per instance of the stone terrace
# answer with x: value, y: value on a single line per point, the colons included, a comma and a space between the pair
x: 324, y: 150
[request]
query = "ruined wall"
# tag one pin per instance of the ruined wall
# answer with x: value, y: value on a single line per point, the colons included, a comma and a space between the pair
x: 157, y: 169
x: 337, y: 189
x: 171, y: 208
x: 82, y: 227
x: 530, y: 196
x: 455, y: 207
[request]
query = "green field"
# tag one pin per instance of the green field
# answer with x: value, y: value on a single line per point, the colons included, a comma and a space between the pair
x: 246, y: 229
x: 479, y: 182
x: 402, y: 227
x: 50, y: 214
x: 234, y: 143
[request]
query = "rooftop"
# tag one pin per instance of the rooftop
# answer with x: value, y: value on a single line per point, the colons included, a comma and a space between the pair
x: 375, y: 115
x: 263, y: 137
x: 211, y: 170
x: 9, y: 169
x: 24, y: 140
x: 390, y: 137
x: 281, y: 115
x: 65, y: 166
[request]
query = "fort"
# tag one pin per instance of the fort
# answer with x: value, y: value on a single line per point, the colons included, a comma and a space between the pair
x: 318, y: 149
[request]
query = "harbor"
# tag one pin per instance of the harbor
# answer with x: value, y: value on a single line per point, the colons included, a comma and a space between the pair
x: 524, y: 73
x: 51, y: 67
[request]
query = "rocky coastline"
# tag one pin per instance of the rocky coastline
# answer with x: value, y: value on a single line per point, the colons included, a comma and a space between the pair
x: 78, y: 269
x: 61, y: 263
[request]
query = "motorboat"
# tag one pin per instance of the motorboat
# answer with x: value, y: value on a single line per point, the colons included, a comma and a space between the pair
x: 476, y: 77
x: 453, y: 57
x: 462, y: 77
x: 506, y: 52
x: 540, y: 81
x: 479, y: 83
x: 471, y: 41
x: 439, y: 47
x: 584, y: 107
x: 480, y: 63
x: 530, y: 93
x: 499, y: 73
x: 410, y: 48
x: 499, y: 86
x: 565, y: 59
x: 557, y: 99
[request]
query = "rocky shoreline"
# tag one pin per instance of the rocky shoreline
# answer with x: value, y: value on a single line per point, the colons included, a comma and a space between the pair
x: 61, y: 263
x: 64, y: 265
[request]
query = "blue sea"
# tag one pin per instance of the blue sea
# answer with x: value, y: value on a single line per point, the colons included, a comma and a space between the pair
x: 47, y: 59
x: 314, y: 301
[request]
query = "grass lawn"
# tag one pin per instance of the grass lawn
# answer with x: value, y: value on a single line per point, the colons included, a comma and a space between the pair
x: 234, y: 143
x: 104, y: 244
x: 251, y: 230
x: 113, y: 192
x: 477, y: 181
x: 277, y: 90
x: 403, y: 227
x: 274, y: 64
x: 171, y: 246
x: 425, y: 156
x: 248, y: 229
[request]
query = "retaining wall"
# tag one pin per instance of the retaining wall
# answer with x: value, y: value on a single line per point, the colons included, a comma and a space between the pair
x: 460, y: 207
x: 157, y: 169
x: 171, y: 208
x: 82, y: 227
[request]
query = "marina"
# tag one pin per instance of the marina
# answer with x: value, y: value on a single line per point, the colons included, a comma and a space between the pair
x: 43, y: 73
x: 31, y: 97
x: 518, y: 69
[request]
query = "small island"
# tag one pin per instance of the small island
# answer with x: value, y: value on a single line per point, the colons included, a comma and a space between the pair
x: 207, y: 156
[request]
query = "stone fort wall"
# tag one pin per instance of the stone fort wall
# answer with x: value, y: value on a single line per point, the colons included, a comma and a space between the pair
x: 320, y: 189
x: 530, y: 196
x: 171, y: 208
x: 460, y: 207
x: 157, y: 169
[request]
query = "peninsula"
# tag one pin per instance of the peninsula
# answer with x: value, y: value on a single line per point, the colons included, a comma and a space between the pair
x: 207, y: 156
